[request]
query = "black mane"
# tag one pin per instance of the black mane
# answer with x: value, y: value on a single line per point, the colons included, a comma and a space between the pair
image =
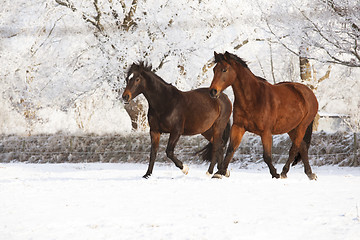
x: 141, y: 66
x: 146, y: 69
x: 221, y: 57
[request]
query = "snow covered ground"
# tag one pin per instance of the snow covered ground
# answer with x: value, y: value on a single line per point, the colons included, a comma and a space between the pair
x: 112, y: 201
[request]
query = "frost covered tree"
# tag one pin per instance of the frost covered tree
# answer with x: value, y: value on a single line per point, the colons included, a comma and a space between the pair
x: 54, y: 71
x: 156, y: 32
x: 64, y: 60
x: 324, y: 35
x: 328, y: 30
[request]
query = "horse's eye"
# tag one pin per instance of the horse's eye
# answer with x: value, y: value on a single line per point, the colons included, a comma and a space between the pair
x: 137, y: 79
x: 224, y: 70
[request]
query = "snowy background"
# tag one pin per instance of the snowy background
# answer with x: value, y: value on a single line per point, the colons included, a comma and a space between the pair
x: 62, y: 67
x: 63, y: 60
x: 63, y: 64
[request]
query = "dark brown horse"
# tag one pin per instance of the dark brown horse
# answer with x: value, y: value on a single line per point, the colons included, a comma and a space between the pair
x: 180, y: 113
x: 266, y: 109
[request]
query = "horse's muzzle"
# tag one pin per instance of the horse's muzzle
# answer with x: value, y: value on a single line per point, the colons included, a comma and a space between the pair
x: 126, y: 98
x: 214, y: 93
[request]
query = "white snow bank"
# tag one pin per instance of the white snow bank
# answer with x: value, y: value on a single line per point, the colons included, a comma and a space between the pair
x: 112, y: 201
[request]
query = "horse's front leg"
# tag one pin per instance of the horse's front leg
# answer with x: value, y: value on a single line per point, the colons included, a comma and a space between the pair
x: 217, y: 151
x: 155, y: 139
x: 173, y: 139
x: 236, y: 134
x: 266, y: 139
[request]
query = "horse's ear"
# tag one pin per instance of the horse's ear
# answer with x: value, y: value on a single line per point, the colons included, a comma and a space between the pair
x: 217, y: 57
x: 227, y: 56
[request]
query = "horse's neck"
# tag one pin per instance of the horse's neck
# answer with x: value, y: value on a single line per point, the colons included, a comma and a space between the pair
x: 158, y: 94
x: 245, y: 87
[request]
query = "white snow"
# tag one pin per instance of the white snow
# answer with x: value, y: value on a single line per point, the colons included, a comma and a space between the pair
x: 112, y: 201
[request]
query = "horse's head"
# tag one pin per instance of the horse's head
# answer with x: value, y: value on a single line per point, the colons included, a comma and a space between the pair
x: 135, y: 82
x: 224, y: 74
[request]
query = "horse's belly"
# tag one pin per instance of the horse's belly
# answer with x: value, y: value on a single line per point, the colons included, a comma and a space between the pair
x: 284, y: 127
x: 199, y: 123
x: 193, y: 129
x: 287, y: 122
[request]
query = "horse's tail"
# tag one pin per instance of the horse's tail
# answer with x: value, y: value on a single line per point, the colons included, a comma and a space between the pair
x: 207, y: 150
x: 226, y: 134
x: 307, y: 140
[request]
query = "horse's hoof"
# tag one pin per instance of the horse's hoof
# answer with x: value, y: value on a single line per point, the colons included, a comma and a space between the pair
x: 312, y: 176
x: 185, y: 169
x: 217, y: 175
x: 227, y: 174
x: 146, y: 176
x: 276, y: 176
x: 208, y: 174
x: 283, y: 176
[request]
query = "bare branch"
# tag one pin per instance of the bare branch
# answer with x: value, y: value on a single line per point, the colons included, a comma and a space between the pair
x: 272, y: 63
x: 96, y: 19
x: 241, y: 44
x: 326, y: 76
x: 333, y: 59
x: 355, y: 52
x: 342, y: 13
x: 50, y: 32
x: 279, y: 40
x: 162, y: 62
x: 67, y: 4
x: 128, y: 20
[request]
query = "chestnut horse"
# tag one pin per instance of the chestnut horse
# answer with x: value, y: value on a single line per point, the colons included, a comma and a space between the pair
x: 266, y: 109
x: 180, y: 113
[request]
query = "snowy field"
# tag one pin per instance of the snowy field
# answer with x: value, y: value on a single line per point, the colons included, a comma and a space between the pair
x: 112, y: 201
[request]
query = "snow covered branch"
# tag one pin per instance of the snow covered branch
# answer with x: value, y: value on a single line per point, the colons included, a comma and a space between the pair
x: 67, y: 4
x: 129, y: 17
x: 95, y: 20
x: 333, y: 32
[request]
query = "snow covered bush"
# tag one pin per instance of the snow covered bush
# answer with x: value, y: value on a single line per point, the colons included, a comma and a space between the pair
x: 62, y: 60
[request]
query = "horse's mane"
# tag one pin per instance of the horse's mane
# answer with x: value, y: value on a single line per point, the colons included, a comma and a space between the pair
x: 221, y: 57
x: 146, y: 68
x: 140, y: 66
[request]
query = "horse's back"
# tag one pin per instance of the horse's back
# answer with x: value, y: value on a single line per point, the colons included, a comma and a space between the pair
x: 301, y: 91
x: 200, y: 98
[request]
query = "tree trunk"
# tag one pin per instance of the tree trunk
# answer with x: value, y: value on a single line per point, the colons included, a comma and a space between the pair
x: 136, y: 111
x: 305, y: 67
x: 306, y: 77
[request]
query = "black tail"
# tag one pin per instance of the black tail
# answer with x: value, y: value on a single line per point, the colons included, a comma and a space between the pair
x: 207, y: 150
x: 307, y: 140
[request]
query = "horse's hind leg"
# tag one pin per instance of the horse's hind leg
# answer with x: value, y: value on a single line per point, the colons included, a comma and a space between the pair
x: 298, y: 147
x: 207, y: 155
x: 305, y: 158
x: 294, y: 150
x: 173, y: 139
x: 296, y: 139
